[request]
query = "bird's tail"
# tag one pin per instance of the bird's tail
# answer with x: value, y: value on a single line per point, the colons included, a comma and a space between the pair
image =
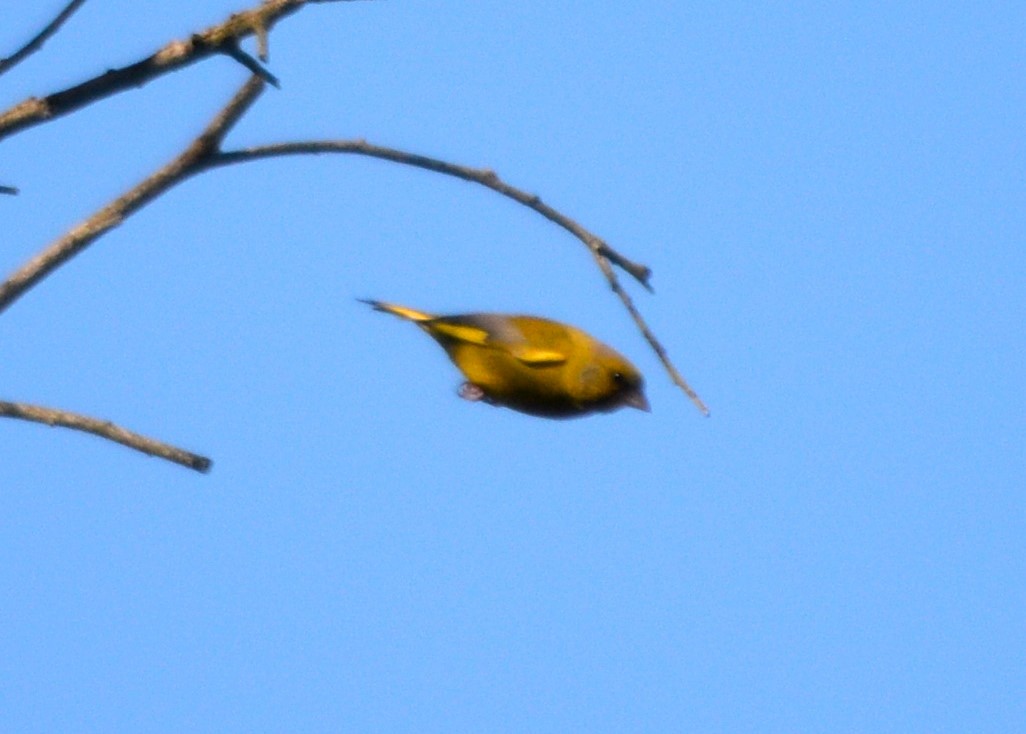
x: 401, y: 311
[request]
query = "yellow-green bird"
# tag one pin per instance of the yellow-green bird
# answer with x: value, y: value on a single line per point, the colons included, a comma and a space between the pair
x: 530, y: 364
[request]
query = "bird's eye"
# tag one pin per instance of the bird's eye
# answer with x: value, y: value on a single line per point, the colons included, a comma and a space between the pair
x: 618, y: 377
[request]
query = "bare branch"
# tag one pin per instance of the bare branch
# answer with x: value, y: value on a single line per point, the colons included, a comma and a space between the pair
x: 225, y: 120
x: 12, y: 190
x: 110, y: 216
x: 105, y: 429
x: 37, y: 42
x: 218, y: 39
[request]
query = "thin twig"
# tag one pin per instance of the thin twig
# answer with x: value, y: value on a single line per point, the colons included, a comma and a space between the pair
x: 107, y: 430
x: 37, y: 42
x: 255, y: 67
x: 657, y: 347
x: 12, y: 190
x: 483, y: 176
x: 175, y: 55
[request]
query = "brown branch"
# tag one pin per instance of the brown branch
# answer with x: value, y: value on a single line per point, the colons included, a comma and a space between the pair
x: 40, y: 38
x: 81, y: 236
x: 604, y: 255
x: 105, y: 429
x: 219, y: 39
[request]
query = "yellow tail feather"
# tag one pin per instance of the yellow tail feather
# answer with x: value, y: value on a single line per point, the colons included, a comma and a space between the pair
x: 401, y: 311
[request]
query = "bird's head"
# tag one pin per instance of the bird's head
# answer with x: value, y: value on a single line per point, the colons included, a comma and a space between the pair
x: 610, y: 382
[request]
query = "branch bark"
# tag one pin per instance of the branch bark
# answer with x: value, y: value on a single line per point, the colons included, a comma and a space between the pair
x: 105, y: 429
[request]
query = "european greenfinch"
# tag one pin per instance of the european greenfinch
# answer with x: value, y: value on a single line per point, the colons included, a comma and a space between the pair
x: 530, y: 364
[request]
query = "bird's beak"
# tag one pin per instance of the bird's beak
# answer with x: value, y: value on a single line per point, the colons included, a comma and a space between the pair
x: 637, y: 399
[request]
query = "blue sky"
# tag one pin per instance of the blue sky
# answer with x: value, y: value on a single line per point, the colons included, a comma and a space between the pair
x: 831, y: 197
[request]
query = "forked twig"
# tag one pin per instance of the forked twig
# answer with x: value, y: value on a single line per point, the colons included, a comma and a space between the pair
x: 222, y: 38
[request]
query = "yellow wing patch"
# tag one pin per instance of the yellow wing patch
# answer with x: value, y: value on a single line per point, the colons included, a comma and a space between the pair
x: 534, y: 357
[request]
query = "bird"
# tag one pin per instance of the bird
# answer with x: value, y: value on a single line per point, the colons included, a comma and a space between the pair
x: 530, y: 364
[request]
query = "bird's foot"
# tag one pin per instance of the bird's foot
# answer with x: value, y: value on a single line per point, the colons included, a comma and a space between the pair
x: 470, y: 391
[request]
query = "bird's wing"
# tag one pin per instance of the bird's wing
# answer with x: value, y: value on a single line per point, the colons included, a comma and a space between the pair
x: 495, y: 332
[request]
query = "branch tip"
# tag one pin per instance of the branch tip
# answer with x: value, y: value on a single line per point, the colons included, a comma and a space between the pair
x: 234, y: 50
x: 203, y: 465
x: 107, y: 430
